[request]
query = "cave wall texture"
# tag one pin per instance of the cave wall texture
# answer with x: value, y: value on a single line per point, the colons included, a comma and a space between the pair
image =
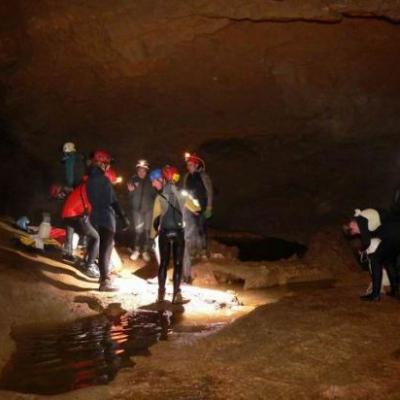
x: 294, y: 104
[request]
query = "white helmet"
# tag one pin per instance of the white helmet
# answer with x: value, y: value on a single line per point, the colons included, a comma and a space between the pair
x: 143, y: 164
x: 69, y: 147
x: 373, y: 217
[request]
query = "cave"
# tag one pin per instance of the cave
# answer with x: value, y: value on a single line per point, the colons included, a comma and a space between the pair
x: 294, y: 107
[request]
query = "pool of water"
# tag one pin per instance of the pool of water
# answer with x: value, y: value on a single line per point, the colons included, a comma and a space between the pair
x: 86, y: 352
x: 50, y: 360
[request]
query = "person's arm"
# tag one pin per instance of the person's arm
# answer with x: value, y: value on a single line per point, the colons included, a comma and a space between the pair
x: 187, y: 201
x: 156, y: 214
x: 119, y: 212
x: 69, y: 171
x: 210, y: 193
x: 131, y: 186
x: 364, y: 233
x: 184, y: 183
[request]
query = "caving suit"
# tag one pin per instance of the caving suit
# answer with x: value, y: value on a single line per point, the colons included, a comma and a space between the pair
x: 105, y: 208
x: 168, y: 208
x: 200, y: 188
x: 142, y: 204
x: 74, y: 167
x: 386, y: 253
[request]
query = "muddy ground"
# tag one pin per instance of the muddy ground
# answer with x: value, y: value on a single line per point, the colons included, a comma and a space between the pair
x: 309, y: 342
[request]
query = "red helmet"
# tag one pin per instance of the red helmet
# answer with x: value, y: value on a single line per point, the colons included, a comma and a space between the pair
x: 195, y: 159
x: 171, y: 174
x: 101, y: 156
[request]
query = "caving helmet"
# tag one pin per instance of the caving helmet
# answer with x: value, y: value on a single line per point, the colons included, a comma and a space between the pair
x: 171, y: 174
x: 371, y: 215
x: 101, y: 157
x: 69, y: 147
x: 143, y: 164
x: 195, y: 159
x: 156, y: 174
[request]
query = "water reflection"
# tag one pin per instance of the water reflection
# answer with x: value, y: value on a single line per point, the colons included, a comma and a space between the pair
x: 83, y: 353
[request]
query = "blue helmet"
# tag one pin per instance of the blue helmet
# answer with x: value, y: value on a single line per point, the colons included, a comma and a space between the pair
x: 155, y: 175
x: 22, y: 223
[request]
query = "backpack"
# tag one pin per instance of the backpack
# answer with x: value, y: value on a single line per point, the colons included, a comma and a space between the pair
x: 77, y: 203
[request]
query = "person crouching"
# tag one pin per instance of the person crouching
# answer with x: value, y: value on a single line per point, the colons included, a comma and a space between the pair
x: 368, y: 225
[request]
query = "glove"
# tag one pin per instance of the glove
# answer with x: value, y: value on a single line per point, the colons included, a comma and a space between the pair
x: 67, y: 189
x: 125, y: 224
x: 208, y: 213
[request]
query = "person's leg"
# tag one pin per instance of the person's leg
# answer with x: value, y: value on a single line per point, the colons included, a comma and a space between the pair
x: 69, y: 243
x: 376, y: 275
x: 192, y: 233
x: 83, y: 241
x: 165, y: 251
x: 147, y: 219
x: 193, y: 243
x: 93, y: 240
x: 187, y: 265
x: 392, y: 272
x: 88, y: 266
x: 106, y: 246
x: 203, y: 225
x: 138, y: 228
x: 178, y: 248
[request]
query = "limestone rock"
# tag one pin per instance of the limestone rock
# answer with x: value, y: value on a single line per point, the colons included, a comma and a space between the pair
x: 280, y: 108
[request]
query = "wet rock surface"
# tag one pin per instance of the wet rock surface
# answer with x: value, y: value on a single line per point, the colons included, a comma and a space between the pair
x: 313, y: 342
x: 313, y: 346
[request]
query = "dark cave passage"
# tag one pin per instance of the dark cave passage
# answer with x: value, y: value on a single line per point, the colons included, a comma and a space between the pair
x: 265, y: 249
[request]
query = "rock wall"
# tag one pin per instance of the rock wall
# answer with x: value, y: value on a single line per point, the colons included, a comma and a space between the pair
x: 294, y: 104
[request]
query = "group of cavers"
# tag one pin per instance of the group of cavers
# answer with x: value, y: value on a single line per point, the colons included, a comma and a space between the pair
x: 379, y: 234
x: 164, y: 217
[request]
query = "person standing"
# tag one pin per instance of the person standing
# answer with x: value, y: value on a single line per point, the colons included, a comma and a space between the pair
x: 105, y: 209
x: 168, y: 211
x: 198, y: 184
x: 76, y: 214
x: 142, y: 196
x: 74, y: 170
x: 74, y: 165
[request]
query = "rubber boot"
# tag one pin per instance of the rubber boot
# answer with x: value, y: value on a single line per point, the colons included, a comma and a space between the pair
x: 107, y: 286
x: 177, y: 298
x: 393, y: 293
x: 370, y: 297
